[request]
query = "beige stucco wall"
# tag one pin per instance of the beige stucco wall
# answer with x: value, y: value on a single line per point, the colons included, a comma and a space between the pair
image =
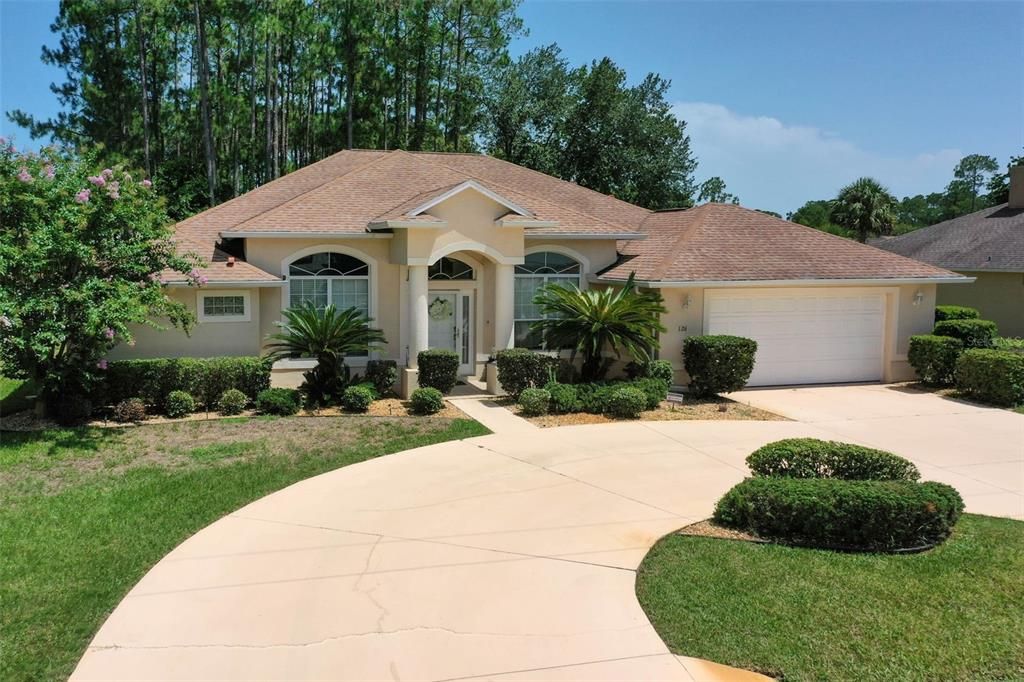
x: 998, y: 296
x: 685, y: 317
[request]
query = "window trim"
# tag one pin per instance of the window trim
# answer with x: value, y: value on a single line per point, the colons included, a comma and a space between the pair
x: 371, y: 262
x: 201, y: 297
x: 546, y: 277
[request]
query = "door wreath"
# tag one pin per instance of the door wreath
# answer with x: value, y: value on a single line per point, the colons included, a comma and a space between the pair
x: 440, y: 309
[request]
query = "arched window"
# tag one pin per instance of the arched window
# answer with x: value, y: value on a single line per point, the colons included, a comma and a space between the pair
x: 329, y: 277
x: 538, y: 269
x: 450, y: 269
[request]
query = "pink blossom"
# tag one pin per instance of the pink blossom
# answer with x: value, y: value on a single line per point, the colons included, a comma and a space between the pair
x: 83, y: 196
x: 49, y: 171
x: 106, y: 173
x: 147, y: 183
x: 3, y: 140
x: 114, y: 194
x: 109, y: 333
x: 102, y: 364
x: 24, y: 175
x: 97, y: 180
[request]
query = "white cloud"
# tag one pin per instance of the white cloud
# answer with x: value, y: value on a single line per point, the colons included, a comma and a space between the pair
x: 776, y: 166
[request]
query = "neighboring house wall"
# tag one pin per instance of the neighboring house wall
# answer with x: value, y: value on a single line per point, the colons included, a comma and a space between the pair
x: 998, y: 296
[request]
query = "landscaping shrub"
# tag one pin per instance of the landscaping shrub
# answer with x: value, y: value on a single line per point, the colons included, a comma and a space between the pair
x: 203, y: 378
x: 249, y: 375
x: 232, y: 401
x: 132, y: 410
x: 830, y: 513
x: 69, y: 409
x: 382, y: 374
x: 655, y: 391
x: 534, y: 401
x: 179, y: 404
x: 955, y: 312
x: 654, y: 369
x: 718, y: 363
x: 427, y: 401
x: 626, y: 401
x: 813, y: 458
x: 1014, y: 345
x: 991, y: 376
x: 357, y: 398
x: 518, y: 369
x: 934, y: 358
x: 593, y: 397
x: 438, y: 368
x: 283, y: 402
x: 563, y: 397
x: 973, y: 333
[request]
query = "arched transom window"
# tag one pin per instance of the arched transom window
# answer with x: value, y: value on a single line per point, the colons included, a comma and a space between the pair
x: 450, y: 268
x: 538, y: 269
x: 328, y: 277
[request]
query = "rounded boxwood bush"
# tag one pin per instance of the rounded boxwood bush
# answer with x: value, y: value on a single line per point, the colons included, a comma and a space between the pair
x: 357, y: 398
x: 991, y: 376
x: 955, y: 312
x: 128, y: 411
x: 283, y: 402
x: 834, y: 514
x: 232, y: 401
x: 518, y: 370
x: 534, y: 401
x: 426, y: 401
x: 973, y: 333
x: 934, y: 358
x: 438, y: 368
x: 563, y: 397
x: 655, y: 390
x: 626, y: 402
x: 383, y: 374
x: 813, y: 458
x: 718, y: 363
x: 179, y: 404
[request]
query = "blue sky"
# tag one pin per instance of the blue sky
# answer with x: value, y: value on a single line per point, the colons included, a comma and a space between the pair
x: 786, y: 101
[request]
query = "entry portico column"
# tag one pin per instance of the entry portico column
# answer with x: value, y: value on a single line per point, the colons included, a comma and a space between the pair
x: 418, y: 319
x: 504, y: 295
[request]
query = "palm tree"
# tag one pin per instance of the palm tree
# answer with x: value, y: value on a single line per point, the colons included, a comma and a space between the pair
x: 864, y: 208
x: 328, y: 335
x: 618, y: 319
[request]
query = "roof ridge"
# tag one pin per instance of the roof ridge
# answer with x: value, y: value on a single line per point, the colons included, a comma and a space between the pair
x: 686, y: 232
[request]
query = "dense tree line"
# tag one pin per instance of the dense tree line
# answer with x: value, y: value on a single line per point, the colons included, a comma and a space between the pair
x: 215, y: 97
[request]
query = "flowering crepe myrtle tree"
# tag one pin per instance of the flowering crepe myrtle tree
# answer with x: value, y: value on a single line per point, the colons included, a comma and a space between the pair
x: 81, y: 252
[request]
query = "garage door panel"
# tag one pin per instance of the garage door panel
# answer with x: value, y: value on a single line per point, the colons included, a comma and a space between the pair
x: 804, y: 336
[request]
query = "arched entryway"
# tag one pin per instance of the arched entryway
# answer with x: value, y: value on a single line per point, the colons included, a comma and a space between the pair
x: 454, y: 283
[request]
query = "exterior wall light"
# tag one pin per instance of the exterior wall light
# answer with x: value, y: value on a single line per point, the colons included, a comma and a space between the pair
x: 918, y: 297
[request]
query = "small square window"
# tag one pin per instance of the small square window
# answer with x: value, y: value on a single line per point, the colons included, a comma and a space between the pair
x: 224, y: 307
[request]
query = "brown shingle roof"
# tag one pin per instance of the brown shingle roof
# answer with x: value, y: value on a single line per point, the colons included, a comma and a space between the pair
x: 723, y: 242
x: 218, y: 268
x: 990, y: 239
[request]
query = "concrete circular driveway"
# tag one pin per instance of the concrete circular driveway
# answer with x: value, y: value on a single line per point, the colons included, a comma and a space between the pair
x: 509, y: 556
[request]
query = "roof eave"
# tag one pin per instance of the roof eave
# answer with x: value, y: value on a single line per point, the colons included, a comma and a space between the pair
x: 288, y: 234
x: 862, y: 281
x: 232, y: 284
x: 615, y: 236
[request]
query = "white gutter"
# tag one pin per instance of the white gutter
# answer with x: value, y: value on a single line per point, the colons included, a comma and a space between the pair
x: 378, y: 224
x: 528, y: 224
x: 305, y: 235
x: 587, y: 235
x: 234, y: 283
x: 716, y: 284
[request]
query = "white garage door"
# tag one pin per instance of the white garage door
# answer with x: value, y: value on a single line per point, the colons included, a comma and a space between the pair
x: 804, y: 336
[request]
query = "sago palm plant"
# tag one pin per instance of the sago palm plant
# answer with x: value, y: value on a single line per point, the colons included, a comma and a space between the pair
x: 618, y: 319
x: 329, y: 336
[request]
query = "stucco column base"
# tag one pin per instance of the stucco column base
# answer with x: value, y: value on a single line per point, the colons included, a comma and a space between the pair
x: 409, y: 381
x: 491, y: 376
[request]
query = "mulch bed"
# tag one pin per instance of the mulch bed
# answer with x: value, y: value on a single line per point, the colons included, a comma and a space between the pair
x: 709, y: 529
x: 721, y: 409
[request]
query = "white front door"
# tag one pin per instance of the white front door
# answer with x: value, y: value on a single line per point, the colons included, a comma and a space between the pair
x: 449, y: 315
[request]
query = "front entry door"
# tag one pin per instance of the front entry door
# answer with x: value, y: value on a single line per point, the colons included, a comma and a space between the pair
x: 450, y: 325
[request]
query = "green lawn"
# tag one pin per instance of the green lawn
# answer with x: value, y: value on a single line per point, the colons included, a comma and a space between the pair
x: 14, y: 395
x: 953, y: 613
x: 85, y: 512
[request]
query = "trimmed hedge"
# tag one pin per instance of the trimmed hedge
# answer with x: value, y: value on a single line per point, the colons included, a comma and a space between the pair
x: 626, y: 401
x: 534, y: 401
x: 383, y: 374
x: 563, y: 397
x: 654, y: 369
x: 438, y: 368
x: 835, y: 514
x: 358, y: 398
x: 955, y: 312
x: 991, y: 376
x: 718, y: 363
x: 655, y: 391
x: 519, y: 369
x: 232, y: 402
x: 282, y: 402
x: 973, y: 333
x: 813, y: 458
x: 179, y: 404
x: 934, y: 358
x: 205, y: 379
x: 426, y: 401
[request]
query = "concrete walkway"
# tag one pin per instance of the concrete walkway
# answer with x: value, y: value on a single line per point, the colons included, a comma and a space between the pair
x: 509, y: 556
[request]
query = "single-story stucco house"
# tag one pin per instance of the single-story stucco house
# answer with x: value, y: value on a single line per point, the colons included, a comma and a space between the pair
x: 988, y: 245
x: 447, y: 251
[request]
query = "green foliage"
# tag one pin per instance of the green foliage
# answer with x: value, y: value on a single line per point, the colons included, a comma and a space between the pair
x: 282, y: 402
x: 713, y: 190
x: 626, y: 402
x: 232, y: 402
x: 383, y: 374
x: 203, y: 378
x: 132, y: 410
x: 358, y: 398
x: 831, y: 513
x: 864, y: 208
x: 655, y: 391
x: 438, y: 368
x: 617, y: 319
x: 81, y: 252
x: 519, y: 369
x: 991, y: 376
x: 813, y: 458
x: 955, y: 312
x: 718, y: 363
x: 328, y: 335
x: 999, y: 184
x: 563, y: 397
x: 179, y: 404
x: 534, y: 401
x: 1012, y: 345
x: 973, y: 333
x: 655, y: 369
x: 427, y: 401
x: 934, y: 358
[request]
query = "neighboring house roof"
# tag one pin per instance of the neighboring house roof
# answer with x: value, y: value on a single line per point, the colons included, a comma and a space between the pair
x: 220, y: 269
x: 989, y: 239
x: 724, y: 242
